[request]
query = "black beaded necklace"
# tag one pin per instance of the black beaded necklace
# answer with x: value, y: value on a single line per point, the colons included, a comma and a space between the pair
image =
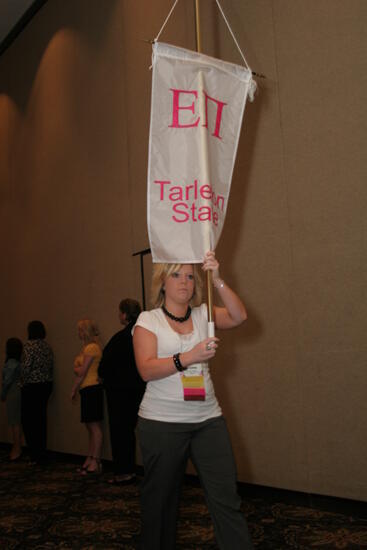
x: 178, y: 319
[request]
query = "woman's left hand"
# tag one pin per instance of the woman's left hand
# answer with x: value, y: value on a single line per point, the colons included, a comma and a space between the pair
x: 211, y: 264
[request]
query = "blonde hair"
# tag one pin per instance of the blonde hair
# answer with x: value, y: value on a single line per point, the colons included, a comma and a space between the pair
x: 89, y: 332
x: 160, y: 274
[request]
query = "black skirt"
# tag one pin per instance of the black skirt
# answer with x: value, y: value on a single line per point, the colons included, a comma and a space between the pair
x: 91, y: 403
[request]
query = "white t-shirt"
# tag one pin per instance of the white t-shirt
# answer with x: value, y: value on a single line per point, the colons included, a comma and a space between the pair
x: 163, y: 399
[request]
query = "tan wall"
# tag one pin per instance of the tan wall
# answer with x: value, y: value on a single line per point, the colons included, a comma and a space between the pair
x: 74, y: 116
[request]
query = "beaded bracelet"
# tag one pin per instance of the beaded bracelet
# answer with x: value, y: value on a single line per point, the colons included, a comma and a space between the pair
x: 179, y: 366
x: 218, y: 283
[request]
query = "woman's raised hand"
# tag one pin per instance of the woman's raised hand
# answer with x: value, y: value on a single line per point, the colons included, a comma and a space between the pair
x: 211, y: 263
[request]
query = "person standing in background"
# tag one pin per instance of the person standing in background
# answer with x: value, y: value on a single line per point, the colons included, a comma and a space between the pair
x: 124, y: 390
x: 36, y: 380
x: 91, y: 393
x: 10, y: 393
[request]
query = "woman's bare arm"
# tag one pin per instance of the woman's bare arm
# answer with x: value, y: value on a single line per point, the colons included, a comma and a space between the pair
x: 234, y: 312
x: 81, y: 373
x: 152, y: 367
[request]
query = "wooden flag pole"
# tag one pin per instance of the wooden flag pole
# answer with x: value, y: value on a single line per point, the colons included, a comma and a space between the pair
x: 197, y: 27
x: 209, y: 282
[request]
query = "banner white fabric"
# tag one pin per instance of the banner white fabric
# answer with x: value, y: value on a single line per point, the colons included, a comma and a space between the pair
x: 196, y: 116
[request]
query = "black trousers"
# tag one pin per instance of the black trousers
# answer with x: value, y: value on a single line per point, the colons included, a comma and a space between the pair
x: 166, y: 447
x: 123, y: 406
x: 34, y: 417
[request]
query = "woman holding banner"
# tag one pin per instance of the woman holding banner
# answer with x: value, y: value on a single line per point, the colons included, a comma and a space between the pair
x: 179, y: 417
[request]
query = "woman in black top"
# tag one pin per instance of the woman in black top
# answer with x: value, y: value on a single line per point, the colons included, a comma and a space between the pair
x: 36, y: 382
x: 124, y: 390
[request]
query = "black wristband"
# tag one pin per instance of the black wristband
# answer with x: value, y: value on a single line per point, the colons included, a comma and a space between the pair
x: 177, y: 362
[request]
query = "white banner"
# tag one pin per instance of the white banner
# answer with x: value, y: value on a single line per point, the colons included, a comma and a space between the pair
x: 196, y: 116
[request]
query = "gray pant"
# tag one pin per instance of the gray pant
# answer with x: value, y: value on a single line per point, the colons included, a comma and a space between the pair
x: 166, y: 447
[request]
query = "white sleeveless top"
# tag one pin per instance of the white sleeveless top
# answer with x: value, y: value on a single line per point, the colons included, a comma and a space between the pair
x: 163, y: 399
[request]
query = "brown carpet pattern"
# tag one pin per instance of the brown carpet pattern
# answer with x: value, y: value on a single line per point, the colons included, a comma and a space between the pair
x: 54, y: 507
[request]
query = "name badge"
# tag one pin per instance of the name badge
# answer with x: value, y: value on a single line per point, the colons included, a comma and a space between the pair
x: 193, y: 385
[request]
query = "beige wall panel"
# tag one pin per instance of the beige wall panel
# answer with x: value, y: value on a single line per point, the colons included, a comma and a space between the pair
x: 325, y: 139
x: 333, y: 386
x: 8, y: 117
x: 263, y: 407
x: 319, y: 51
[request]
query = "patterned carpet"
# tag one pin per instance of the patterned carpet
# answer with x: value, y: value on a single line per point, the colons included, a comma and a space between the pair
x: 53, y: 507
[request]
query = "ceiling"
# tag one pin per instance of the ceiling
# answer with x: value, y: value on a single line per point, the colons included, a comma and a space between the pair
x: 14, y: 15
